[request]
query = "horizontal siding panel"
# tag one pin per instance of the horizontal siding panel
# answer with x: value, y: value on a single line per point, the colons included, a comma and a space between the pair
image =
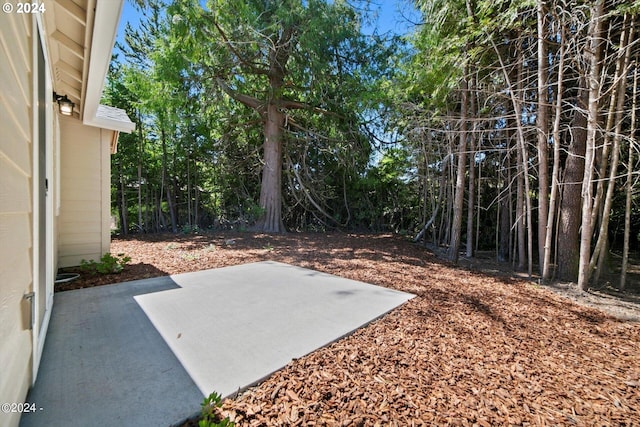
x: 15, y: 43
x: 86, y: 142
x: 68, y: 227
x: 15, y: 188
x: 15, y: 357
x: 15, y: 233
x: 15, y: 90
x: 81, y: 239
x: 80, y: 207
x: 80, y: 183
x: 16, y: 73
x: 80, y: 249
x: 16, y: 274
x: 75, y: 260
x: 15, y: 270
x: 76, y: 195
x: 19, y: 35
x: 15, y: 99
x: 85, y: 168
x: 15, y: 208
x: 14, y: 144
x: 81, y: 193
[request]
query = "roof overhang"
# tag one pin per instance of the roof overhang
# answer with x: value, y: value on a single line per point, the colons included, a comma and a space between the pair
x: 113, y: 118
x: 81, y: 35
x: 105, y: 27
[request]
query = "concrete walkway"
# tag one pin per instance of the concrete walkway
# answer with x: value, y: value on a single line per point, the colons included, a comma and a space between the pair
x: 104, y: 364
x: 146, y: 352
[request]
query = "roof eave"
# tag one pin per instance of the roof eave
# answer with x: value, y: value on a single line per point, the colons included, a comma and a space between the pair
x: 118, y: 125
x: 105, y: 27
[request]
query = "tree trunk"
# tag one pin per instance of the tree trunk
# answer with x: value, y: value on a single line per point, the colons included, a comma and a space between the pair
x: 472, y: 136
x: 524, y: 158
x: 504, y: 248
x: 479, y: 205
x: 571, y: 198
x: 543, y: 133
x: 472, y: 168
x: 148, y: 219
x: 458, y: 206
x: 271, y: 188
x: 439, y: 201
x: 599, y: 253
x: 165, y: 184
x: 176, y: 190
x: 272, y: 113
x: 602, y: 150
x: 189, y: 198
x: 593, y: 54
x: 523, y: 153
x: 196, y: 203
x: 444, y: 229
x: 140, y: 181
x: 124, y: 223
x: 520, y: 221
x: 555, y: 175
x: 629, y: 189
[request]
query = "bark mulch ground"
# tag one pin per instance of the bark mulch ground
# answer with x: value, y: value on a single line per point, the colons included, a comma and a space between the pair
x: 472, y: 349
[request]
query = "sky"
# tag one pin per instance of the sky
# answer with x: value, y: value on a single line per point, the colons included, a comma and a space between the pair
x: 393, y: 16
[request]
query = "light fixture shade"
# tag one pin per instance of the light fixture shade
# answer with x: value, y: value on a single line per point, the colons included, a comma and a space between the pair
x: 65, y: 104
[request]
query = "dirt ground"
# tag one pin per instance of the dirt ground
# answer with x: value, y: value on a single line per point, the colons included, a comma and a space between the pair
x: 477, y: 346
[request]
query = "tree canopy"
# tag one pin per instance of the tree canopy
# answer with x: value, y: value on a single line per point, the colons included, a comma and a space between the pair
x: 503, y: 126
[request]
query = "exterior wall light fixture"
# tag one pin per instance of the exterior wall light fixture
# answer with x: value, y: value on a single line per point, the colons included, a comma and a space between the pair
x: 64, y: 103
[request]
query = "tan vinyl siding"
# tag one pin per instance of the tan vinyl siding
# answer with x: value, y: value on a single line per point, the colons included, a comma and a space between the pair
x: 106, y: 137
x: 15, y: 209
x: 15, y: 91
x: 80, y: 228
x: 83, y: 226
x: 15, y: 190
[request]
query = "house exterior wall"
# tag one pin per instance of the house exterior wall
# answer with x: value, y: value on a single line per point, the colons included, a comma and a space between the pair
x: 16, y: 231
x: 85, y: 174
x: 32, y: 158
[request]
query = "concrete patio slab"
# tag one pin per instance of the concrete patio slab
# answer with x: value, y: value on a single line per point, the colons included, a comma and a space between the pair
x: 232, y: 327
x: 104, y: 364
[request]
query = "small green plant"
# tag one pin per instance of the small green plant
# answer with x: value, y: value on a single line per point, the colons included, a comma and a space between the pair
x: 268, y: 247
x: 108, y: 264
x: 210, y: 248
x: 190, y: 229
x: 210, y: 416
x: 254, y: 211
x: 171, y: 246
x: 189, y: 256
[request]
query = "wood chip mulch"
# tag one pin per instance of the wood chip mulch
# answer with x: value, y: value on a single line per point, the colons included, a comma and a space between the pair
x: 470, y: 350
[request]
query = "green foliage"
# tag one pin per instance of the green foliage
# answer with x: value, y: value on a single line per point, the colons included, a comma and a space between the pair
x: 209, y: 414
x: 210, y: 248
x: 196, y: 155
x: 191, y: 229
x: 189, y: 256
x: 108, y: 264
x: 253, y: 211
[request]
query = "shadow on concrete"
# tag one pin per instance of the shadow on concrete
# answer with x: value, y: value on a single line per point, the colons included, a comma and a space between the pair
x: 104, y: 364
